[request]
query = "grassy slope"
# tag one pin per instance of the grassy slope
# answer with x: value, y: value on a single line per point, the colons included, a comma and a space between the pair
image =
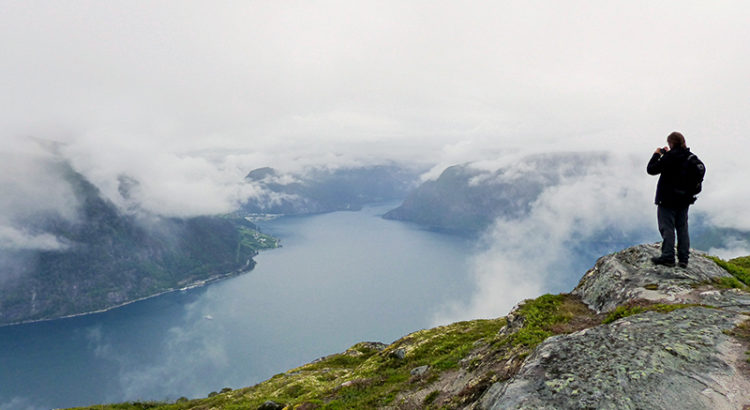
x: 739, y: 268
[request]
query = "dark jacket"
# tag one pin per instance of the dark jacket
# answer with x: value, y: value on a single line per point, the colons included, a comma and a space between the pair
x: 670, y: 166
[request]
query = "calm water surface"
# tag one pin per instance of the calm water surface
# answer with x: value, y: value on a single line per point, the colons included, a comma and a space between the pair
x: 339, y: 278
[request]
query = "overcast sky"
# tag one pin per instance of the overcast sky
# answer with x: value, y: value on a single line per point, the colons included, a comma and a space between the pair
x: 189, y: 96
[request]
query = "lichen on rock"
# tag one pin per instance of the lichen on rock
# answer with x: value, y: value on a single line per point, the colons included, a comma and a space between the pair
x: 654, y: 360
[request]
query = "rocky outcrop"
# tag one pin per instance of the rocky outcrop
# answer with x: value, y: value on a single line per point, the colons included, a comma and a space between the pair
x: 681, y: 359
x: 630, y: 275
x: 689, y: 358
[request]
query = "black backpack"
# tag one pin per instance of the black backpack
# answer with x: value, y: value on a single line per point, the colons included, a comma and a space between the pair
x: 691, y: 176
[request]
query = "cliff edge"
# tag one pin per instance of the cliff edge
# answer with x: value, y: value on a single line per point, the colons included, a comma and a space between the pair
x: 690, y: 357
x: 631, y: 335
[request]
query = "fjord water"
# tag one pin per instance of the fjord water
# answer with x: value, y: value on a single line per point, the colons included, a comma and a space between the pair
x: 339, y: 278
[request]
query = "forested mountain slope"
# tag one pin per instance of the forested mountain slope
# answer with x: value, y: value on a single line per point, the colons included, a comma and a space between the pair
x: 106, y: 258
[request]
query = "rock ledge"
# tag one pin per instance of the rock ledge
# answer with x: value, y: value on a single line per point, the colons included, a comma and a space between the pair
x: 687, y: 358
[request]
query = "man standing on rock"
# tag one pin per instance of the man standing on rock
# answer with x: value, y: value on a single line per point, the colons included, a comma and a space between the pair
x: 675, y: 192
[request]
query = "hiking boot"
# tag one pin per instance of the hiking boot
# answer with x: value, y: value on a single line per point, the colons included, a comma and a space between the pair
x: 662, y: 261
x: 682, y: 264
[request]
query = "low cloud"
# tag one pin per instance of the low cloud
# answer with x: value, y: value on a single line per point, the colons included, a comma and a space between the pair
x: 187, y: 102
x: 23, y: 403
x: 733, y: 248
x: 187, y: 352
x: 31, y: 183
x: 163, y: 182
x: 32, y: 190
x: 569, y: 223
x: 726, y: 191
x: 15, y: 239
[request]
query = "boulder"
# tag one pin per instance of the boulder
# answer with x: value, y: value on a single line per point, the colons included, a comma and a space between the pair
x: 630, y: 275
x: 398, y: 354
x: 271, y: 405
x: 420, y: 371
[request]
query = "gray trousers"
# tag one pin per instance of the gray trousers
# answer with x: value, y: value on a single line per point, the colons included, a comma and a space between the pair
x: 671, y: 220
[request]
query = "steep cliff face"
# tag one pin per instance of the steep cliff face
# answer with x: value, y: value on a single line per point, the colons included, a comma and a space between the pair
x: 109, y: 258
x: 631, y: 335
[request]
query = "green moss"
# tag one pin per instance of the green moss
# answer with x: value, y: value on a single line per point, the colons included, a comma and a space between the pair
x: 630, y: 310
x: 738, y: 267
x: 729, y: 283
x: 540, y: 317
x: 443, y: 347
x: 342, y: 360
x: 743, y: 262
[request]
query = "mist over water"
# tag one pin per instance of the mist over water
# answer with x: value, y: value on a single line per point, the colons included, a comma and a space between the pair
x: 339, y: 279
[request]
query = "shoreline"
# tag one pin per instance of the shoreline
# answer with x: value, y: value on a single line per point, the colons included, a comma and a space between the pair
x: 193, y: 285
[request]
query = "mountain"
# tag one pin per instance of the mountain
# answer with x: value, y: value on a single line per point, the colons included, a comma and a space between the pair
x: 466, y: 199
x: 630, y: 335
x: 106, y: 258
x: 324, y: 190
